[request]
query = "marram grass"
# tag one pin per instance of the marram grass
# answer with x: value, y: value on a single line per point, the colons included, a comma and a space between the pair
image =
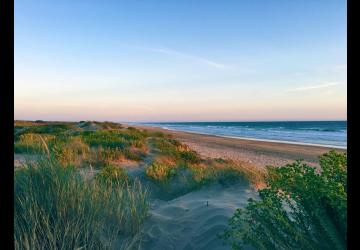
x: 55, y: 208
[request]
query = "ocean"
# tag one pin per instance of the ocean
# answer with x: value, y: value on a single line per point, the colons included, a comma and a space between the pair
x: 322, y: 133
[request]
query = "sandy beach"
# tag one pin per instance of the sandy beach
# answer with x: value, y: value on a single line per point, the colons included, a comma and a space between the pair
x: 194, y: 219
x: 255, y: 153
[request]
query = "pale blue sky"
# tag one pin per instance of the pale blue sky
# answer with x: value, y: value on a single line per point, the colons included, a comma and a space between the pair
x: 180, y: 60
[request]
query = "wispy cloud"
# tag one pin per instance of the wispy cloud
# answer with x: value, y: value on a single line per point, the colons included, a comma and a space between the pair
x: 184, y: 55
x: 320, y: 86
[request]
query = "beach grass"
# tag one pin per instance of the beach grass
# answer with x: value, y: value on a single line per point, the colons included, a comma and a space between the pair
x: 178, y: 170
x: 74, y: 146
x: 112, y: 174
x: 176, y: 180
x: 32, y: 143
x: 55, y: 208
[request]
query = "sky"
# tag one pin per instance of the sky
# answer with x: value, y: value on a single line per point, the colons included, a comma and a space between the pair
x: 153, y: 60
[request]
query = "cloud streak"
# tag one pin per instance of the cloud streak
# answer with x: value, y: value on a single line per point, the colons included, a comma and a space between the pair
x: 184, y: 55
x: 320, y: 86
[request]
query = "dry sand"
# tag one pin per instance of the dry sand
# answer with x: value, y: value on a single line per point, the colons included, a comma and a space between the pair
x: 187, y: 222
x: 255, y: 153
x: 194, y: 220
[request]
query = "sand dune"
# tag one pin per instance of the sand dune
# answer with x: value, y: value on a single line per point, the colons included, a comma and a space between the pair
x: 193, y: 221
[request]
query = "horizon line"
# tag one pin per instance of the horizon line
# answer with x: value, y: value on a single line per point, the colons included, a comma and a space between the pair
x: 105, y: 120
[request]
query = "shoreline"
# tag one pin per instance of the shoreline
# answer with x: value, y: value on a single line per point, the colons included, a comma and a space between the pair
x: 255, y: 153
x: 260, y: 140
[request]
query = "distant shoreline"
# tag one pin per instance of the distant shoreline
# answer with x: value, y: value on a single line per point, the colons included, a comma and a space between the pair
x: 261, y: 140
x: 257, y: 153
x: 251, y: 139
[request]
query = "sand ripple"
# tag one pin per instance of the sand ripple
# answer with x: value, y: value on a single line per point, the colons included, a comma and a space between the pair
x: 193, y: 221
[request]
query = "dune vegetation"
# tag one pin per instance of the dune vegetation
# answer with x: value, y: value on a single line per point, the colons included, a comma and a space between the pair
x: 55, y: 208
x: 177, y: 169
x: 58, y: 206
x: 80, y: 192
x: 302, y: 207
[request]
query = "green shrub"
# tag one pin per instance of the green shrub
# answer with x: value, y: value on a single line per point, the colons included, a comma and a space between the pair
x: 54, y: 208
x: 302, y: 208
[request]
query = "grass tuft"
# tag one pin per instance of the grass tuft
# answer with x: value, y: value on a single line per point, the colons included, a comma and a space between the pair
x: 55, y: 208
x: 112, y: 174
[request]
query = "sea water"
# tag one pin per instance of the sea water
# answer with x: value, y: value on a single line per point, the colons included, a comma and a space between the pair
x: 322, y: 133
